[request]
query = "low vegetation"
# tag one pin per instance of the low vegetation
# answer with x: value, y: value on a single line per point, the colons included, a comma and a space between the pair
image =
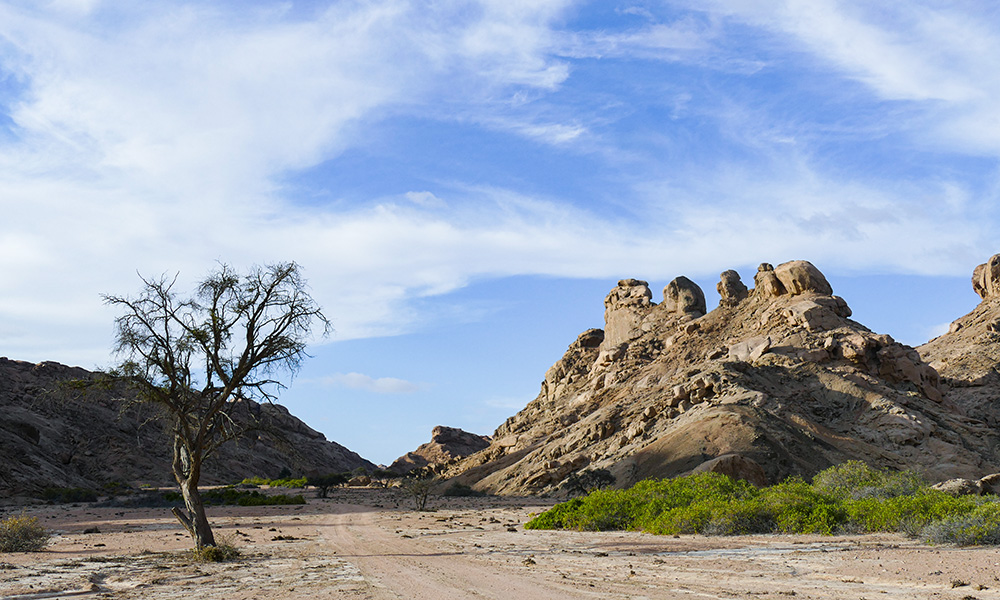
x: 286, y: 482
x: 233, y: 496
x: 22, y: 534
x: 849, y: 498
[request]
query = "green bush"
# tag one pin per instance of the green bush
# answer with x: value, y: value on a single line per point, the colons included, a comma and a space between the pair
x: 978, y: 527
x: 849, y: 497
x: 856, y: 480
x: 906, y: 514
x: 22, y: 534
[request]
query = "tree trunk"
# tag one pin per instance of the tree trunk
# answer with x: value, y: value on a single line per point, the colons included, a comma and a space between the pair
x: 187, y: 472
x: 195, y: 521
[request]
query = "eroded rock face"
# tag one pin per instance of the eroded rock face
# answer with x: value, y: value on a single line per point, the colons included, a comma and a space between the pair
x: 684, y: 296
x: 731, y: 289
x: 986, y: 278
x: 782, y: 378
x: 624, y: 308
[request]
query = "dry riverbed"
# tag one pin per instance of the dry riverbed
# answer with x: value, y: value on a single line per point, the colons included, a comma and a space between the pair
x: 370, y: 544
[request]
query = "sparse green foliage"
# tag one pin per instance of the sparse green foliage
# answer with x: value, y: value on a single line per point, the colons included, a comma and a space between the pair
x: 849, y: 497
x: 978, y: 527
x: 419, y: 488
x: 323, y: 483
x: 222, y: 551
x: 588, y: 480
x: 22, y: 534
x: 200, y: 359
x: 856, y: 480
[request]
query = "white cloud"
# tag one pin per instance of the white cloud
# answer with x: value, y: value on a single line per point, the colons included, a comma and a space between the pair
x: 381, y: 385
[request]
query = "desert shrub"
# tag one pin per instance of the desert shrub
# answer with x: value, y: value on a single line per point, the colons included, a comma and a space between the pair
x: 419, y: 488
x: 856, y: 480
x: 555, y: 517
x: 299, y: 482
x: 588, y: 480
x: 323, y: 483
x: 224, y: 550
x: 22, y: 534
x: 977, y: 527
x: 906, y: 514
x: 459, y: 489
x: 679, y: 505
x: 232, y: 496
x: 68, y: 495
x: 255, y: 480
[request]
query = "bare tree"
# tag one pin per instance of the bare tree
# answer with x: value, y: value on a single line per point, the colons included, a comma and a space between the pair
x: 202, y: 360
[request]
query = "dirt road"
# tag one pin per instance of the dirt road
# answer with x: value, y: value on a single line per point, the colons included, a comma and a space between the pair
x: 367, y: 544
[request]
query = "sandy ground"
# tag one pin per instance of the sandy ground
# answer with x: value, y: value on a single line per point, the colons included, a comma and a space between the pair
x: 370, y: 544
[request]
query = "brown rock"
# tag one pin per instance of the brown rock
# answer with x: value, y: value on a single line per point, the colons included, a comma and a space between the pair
x: 624, y: 308
x: 447, y: 444
x: 766, y: 282
x: 684, y: 296
x: 959, y: 487
x: 986, y: 278
x: 731, y: 289
x: 800, y: 277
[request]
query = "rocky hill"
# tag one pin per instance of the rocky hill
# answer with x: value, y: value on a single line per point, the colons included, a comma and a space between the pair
x: 775, y: 381
x: 50, y: 436
x: 447, y: 444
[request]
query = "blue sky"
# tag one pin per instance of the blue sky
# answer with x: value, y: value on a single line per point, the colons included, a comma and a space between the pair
x: 464, y: 181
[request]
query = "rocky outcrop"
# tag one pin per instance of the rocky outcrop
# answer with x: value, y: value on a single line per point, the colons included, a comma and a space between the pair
x: 986, y: 278
x: 51, y: 435
x: 683, y: 296
x: 447, y: 444
x: 778, y: 376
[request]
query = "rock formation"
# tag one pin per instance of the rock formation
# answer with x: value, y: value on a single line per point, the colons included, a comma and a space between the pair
x: 49, y: 436
x: 968, y: 356
x: 447, y: 444
x: 778, y: 377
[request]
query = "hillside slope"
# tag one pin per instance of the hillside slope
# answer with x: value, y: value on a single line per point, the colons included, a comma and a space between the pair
x: 51, y: 437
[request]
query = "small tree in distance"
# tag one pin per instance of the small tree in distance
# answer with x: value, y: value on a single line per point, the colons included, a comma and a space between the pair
x: 201, y: 359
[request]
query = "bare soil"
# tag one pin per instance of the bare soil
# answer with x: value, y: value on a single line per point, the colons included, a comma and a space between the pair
x: 370, y: 544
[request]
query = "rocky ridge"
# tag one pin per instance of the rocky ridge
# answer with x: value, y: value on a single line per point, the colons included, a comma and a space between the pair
x: 776, y: 376
x: 49, y: 436
x: 447, y: 445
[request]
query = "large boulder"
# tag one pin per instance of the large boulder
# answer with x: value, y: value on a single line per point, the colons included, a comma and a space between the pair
x: 683, y: 296
x: 800, y: 277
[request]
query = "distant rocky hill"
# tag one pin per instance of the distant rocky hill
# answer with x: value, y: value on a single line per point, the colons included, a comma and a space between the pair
x: 447, y: 444
x: 49, y: 436
x: 776, y: 377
